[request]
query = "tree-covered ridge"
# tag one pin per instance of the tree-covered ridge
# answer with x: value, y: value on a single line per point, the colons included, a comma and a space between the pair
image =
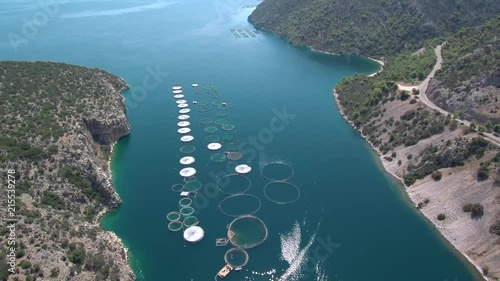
x: 369, y: 27
x: 47, y: 137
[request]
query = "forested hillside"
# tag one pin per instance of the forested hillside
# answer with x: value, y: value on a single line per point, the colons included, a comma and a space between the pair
x: 369, y: 27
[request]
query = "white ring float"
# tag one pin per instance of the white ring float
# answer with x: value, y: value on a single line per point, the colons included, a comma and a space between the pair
x: 184, y: 130
x: 183, y: 124
x: 180, y: 101
x: 178, y: 96
x: 176, y: 88
x: 182, y: 105
x: 183, y: 117
x: 187, y: 172
x: 195, y: 85
x: 243, y: 169
x: 177, y: 92
x: 187, y: 138
x: 188, y: 160
x: 184, y: 111
x: 214, y: 146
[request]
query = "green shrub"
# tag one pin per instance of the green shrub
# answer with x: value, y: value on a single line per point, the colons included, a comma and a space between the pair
x: 467, y: 208
x: 495, y: 228
x: 24, y: 264
x: 437, y: 175
x: 77, y: 255
x: 483, y: 173
x: 441, y: 217
x: 52, y: 199
x: 404, y: 96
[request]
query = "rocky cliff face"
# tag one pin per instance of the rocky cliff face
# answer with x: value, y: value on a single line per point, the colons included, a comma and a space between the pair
x: 67, y: 119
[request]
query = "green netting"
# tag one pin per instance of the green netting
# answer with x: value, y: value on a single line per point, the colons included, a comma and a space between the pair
x: 221, y: 122
x: 202, y: 109
x: 206, y: 121
x: 214, y: 96
x: 190, y: 221
x: 184, y: 202
x: 217, y: 103
x: 173, y: 216
x: 234, y: 156
x: 247, y: 232
x: 177, y: 187
x: 202, y: 103
x: 175, y: 226
x: 228, y: 136
x: 187, y: 149
x: 211, y: 129
x: 228, y: 127
x: 218, y: 157
x: 222, y: 113
x: 187, y: 211
x: 212, y: 138
x: 223, y: 107
x: 193, y: 185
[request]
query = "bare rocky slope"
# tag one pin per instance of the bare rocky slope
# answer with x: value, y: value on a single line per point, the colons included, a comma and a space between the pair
x: 58, y: 125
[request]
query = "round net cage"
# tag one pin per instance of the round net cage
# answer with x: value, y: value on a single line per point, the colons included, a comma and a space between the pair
x: 176, y: 88
x: 202, y: 103
x: 186, y: 201
x: 183, y: 117
x: 177, y: 92
x: 277, y: 171
x: 223, y: 107
x: 188, y: 160
x: 228, y: 136
x: 247, y: 232
x: 187, y: 172
x: 214, y: 146
x: 211, y: 129
x: 243, y: 169
x: 206, y: 121
x: 175, y: 226
x: 182, y: 105
x: 187, y: 211
x: 213, y: 138
x: 177, y: 187
x: 216, y: 103
x: 183, y: 124
x: 183, y: 130
x: 221, y: 113
x: 190, y: 221
x: 228, y: 127
x: 218, y: 157
x: 194, y: 85
x: 178, y: 96
x: 281, y: 192
x: 236, y: 257
x: 187, y: 149
x: 214, y: 96
x: 193, y: 185
x: 240, y: 205
x: 173, y: 216
x: 187, y: 138
x: 180, y: 101
x: 184, y: 111
x: 232, y: 146
x: 193, y: 234
x: 221, y: 122
x: 202, y: 109
x: 233, y: 184
x: 234, y: 156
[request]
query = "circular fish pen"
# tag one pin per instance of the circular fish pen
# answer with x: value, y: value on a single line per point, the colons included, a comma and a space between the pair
x: 187, y: 211
x: 178, y: 96
x: 180, y: 101
x: 212, y: 138
x: 177, y: 187
x: 236, y: 257
x: 202, y: 103
x: 228, y: 127
x: 228, y: 136
x: 187, y: 172
x: 175, y: 226
x: 187, y: 138
x: 205, y: 121
x: 281, y: 192
x: 185, y: 202
x: 190, y: 221
x: 214, y: 96
x: 188, y: 160
x: 183, y: 130
x: 177, y: 92
x: 217, y: 103
x: 232, y: 146
x: 210, y: 129
x: 173, y: 216
x: 177, y: 87
x: 193, y: 185
x: 221, y: 114
x: 234, y: 155
x: 182, y: 105
x: 214, y: 146
x: 193, y: 234
x: 240, y: 205
x: 220, y: 122
x: 277, y: 172
x: 243, y: 169
x: 183, y: 117
x: 218, y: 157
x: 233, y: 184
x: 184, y: 111
x: 187, y: 149
x: 183, y: 124
x: 247, y: 232
x: 203, y: 109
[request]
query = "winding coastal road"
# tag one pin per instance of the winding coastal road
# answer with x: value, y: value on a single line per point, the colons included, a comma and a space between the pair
x: 422, y: 88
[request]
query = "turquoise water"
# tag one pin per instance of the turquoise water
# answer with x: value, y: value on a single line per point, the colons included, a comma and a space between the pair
x: 349, y: 223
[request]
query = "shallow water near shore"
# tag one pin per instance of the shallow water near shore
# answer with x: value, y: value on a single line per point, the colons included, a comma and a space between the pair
x: 348, y: 222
